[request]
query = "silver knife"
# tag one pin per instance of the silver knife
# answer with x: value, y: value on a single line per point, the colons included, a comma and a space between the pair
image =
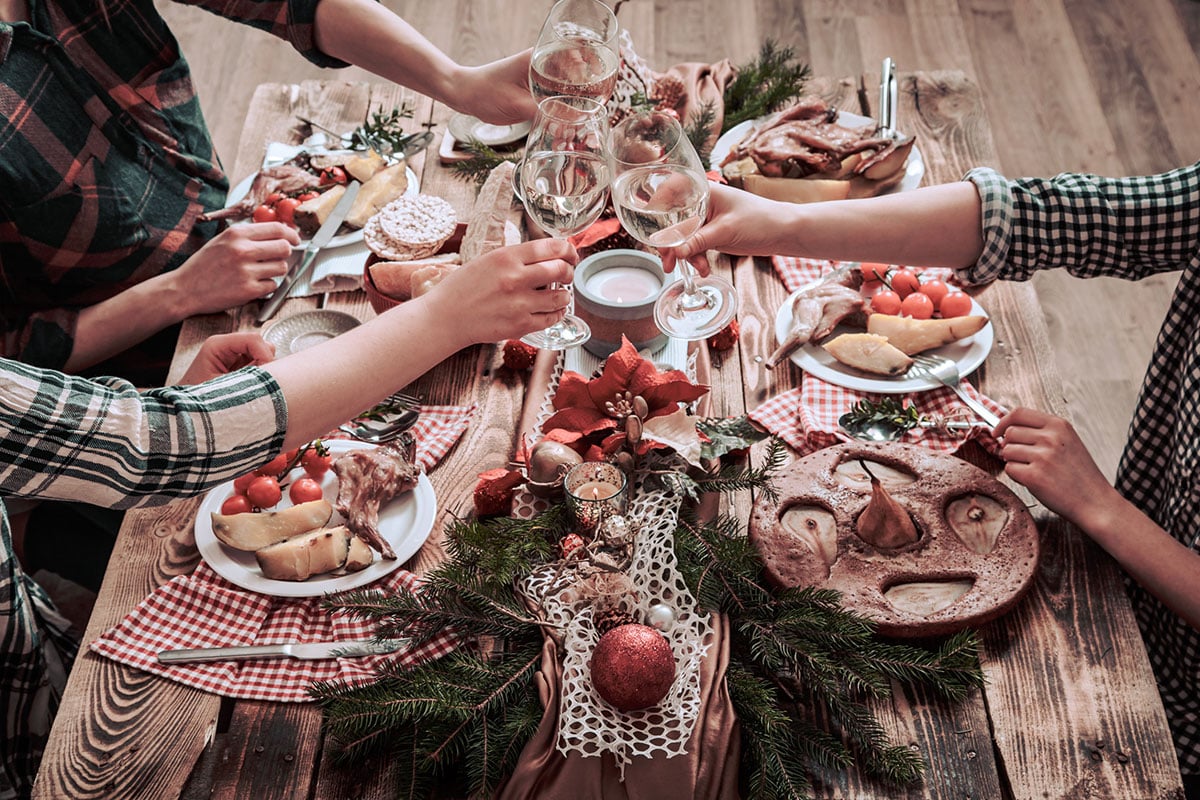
x: 328, y: 228
x: 889, y: 95
x: 304, y: 652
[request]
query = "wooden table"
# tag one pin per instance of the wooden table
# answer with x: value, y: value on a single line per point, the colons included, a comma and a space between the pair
x: 1070, y: 708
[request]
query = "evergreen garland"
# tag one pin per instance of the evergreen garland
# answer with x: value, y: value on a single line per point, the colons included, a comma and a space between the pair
x: 764, y: 85
x: 801, y: 672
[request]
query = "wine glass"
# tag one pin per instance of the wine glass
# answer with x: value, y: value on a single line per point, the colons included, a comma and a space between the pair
x: 660, y: 192
x: 563, y: 182
x: 576, y: 52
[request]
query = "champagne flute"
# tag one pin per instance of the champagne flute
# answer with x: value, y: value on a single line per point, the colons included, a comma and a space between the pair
x: 563, y: 182
x: 576, y: 52
x: 660, y: 192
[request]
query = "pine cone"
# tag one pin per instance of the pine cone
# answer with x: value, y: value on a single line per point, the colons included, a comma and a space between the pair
x: 668, y: 92
x: 605, y: 621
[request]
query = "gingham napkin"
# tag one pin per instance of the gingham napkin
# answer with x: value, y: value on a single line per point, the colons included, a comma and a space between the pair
x: 807, y: 418
x: 205, y: 610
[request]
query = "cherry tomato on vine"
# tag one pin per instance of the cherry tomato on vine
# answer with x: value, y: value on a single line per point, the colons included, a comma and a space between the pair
x: 306, y: 196
x: 305, y: 489
x: 264, y: 492
x: 316, y: 461
x: 237, y: 504
x: 905, y: 282
x: 331, y: 175
x: 239, y: 485
x: 885, y: 302
x: 955, y: 304
x: 264, y: 213
x: 873, y: 274
x: 935, y: 290
x: 275, y: 466
x: 285, y: 210
x: 273, y: 198
x: 917, y: 306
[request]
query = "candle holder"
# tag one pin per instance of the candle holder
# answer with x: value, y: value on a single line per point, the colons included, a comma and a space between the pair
x: 615, y: 292
x: 595, y: 490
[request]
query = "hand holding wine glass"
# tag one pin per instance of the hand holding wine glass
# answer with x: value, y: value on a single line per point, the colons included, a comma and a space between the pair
x: 576, y: 52
x: 661, y: 195
x: 563, y: 182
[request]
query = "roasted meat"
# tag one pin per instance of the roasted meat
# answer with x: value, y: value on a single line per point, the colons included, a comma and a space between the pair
x: 368, y: 480
x: 285, y: 179
x: 806, y: 139
x: 818, y: 309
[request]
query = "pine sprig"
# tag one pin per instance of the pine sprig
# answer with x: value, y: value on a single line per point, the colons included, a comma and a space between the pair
x: 764, y: 85
x: 699, y: 130
x: 737, y: 479
x: 483, y: 160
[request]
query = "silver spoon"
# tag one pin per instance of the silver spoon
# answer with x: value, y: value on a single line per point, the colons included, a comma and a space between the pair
x: 884, y: 431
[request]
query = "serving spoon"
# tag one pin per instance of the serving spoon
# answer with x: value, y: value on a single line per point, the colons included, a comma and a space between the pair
x: 882, y: 430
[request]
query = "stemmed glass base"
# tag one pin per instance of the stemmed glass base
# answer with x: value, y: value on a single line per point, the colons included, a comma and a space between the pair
x: 570, y: 332
x: 705, y: 310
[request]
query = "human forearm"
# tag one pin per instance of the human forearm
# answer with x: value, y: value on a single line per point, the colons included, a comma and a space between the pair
x: 936, y: 226
x: 361, y: 367
x: 118, y: 323
x: 1156, y: 560
x: 366, y: 33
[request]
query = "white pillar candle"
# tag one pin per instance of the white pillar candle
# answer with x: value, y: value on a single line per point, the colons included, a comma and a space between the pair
x: 629, y: 285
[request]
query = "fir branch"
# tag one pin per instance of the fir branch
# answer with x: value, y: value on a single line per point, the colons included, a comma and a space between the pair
x: 736, y: 479
x: 699, y: 130
x: 764, y: 85
x: 483, y: 160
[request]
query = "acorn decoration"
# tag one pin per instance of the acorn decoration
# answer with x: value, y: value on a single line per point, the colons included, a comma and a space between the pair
x: 548, y: 462
x: 632, y: 667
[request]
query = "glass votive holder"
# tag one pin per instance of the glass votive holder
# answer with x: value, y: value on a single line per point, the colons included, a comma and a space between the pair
x: 595, y: 490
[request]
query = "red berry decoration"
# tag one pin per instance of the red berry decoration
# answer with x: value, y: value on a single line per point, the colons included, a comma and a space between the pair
x: 633, y: 667
x: 494, y: 493
x: 570, y: 543
x: 519, y: 356
x: 725, y: 338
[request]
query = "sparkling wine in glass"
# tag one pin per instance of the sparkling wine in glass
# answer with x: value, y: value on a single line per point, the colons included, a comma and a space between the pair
x: 563, y: 182
x: 576, y: 52
x: 660, y: 193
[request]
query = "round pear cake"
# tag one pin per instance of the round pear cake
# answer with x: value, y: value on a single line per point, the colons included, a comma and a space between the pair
x: 921, y: 543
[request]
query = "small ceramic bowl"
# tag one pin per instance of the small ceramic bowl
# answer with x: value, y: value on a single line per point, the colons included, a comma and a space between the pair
x: 382, y: 302
x: 601, y: 302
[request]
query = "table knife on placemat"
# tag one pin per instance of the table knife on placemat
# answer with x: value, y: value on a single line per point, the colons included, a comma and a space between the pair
x: 305, y: 652
x: 328, y: 228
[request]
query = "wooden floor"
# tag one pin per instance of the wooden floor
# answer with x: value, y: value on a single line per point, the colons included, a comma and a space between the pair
x: 1104, y: 86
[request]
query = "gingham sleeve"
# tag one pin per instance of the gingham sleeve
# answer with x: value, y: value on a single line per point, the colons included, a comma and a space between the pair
x: 290, y: 20
x: 63, y: 437
x: 1087, y: 224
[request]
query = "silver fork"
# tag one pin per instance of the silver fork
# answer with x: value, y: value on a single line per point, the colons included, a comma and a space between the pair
x: 409, y: 408
x: 945, y: 372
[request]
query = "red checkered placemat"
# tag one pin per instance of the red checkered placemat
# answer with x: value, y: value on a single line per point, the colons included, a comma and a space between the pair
x: 807, y: 418
x: 205, y: 610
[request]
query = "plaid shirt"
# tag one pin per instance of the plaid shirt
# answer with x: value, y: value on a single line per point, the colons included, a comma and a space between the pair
x: 105, y: 159
x: 67, y: 438
x: 1129, y: 228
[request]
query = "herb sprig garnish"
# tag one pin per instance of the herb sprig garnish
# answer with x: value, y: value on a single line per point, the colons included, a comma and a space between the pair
x: 866, y: 413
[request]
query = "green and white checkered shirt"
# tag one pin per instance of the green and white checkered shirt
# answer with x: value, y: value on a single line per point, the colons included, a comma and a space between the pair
x: 1129, y: 228
x: 101, y: 442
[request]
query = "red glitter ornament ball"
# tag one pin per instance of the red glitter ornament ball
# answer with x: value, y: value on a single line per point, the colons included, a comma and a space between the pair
x: 633, y: 667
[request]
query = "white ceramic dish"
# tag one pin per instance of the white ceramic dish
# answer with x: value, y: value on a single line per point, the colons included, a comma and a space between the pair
x: 341, y: 239
x: 464, y: 128
x: 968, y: 353
x: 405, y: 523
x: 914, y: 166
x: 301, y: 331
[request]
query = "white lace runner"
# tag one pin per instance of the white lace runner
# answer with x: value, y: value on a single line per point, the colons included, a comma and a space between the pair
x: 587, y: 724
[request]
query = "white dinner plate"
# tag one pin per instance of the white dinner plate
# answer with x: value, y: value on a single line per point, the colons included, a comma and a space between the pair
x: 968, y: 353
x: 914, y: 165
x: 405, y: 523
x: 341, y: 239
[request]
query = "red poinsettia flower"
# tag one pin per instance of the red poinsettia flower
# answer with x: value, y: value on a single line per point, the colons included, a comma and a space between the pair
x: 581, y: 403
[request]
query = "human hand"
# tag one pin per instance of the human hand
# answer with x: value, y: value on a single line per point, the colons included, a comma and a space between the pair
x: 236, y: 266
x: 226, y: 352
x: 498, y: 92
x: 739, y: 223
x: 1045, y: 454
x: 504, y: 293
